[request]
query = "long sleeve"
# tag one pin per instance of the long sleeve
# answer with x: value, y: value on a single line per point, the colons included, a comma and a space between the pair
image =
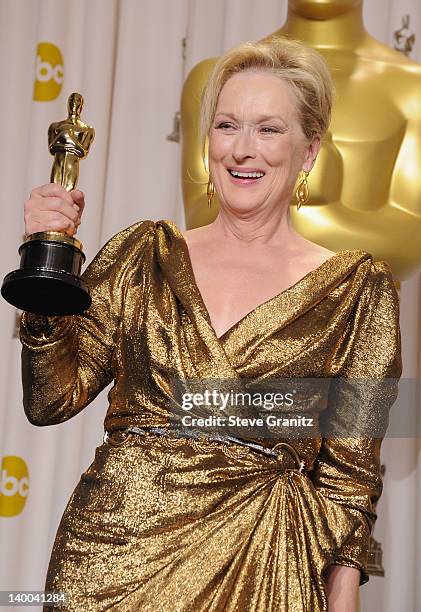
x: 67, y: 361
x: 347, y: 469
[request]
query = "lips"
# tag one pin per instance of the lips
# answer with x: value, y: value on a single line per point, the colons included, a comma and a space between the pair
x: 246, y: 175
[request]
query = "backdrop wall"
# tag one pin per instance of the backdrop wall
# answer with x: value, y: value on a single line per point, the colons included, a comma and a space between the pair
x: 129, y: 59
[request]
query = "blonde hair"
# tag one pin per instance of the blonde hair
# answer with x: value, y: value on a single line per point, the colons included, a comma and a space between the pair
x: 303, y: 68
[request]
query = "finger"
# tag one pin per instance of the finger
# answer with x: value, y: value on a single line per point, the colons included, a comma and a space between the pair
x: 58, y: 219
x: 57, y: 205
x: 50, y: 221
x: 77, y: 195
x: 78, y: 199
x: 52, y: 190
x: 70, y: 231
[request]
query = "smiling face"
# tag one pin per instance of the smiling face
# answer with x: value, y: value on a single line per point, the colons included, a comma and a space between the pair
x: 256, y: 144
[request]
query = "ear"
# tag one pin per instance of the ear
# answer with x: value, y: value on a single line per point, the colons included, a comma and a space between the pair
x: 312, y: 151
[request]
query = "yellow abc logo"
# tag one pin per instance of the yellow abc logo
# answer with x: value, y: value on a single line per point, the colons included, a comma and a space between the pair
x: 14, y: 485
x: 49, y: 73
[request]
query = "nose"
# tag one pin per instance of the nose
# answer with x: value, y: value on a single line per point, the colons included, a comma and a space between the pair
x: 244, y: 146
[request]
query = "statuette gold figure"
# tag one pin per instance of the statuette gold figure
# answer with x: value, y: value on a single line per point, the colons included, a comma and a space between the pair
x: 69, y: 141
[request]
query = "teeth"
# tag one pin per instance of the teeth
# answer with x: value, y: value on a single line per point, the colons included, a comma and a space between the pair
x: 247, y: 174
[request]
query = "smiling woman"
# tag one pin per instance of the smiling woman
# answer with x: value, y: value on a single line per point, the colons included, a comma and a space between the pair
x: 165, y: 521
x: 265, y: 109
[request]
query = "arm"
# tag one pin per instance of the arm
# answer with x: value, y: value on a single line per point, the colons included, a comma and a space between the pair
x: 87, y: 139
x: 51, y: 135
x: 342, y: 588
x: 67, y: 361
x: 347, y: 469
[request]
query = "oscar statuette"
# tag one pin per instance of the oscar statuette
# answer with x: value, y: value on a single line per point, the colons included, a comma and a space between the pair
x: 48, y: 281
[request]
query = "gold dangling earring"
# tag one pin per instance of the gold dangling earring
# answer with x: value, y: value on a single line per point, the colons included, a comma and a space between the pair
x: 210, y: 191
x: 302, y: 193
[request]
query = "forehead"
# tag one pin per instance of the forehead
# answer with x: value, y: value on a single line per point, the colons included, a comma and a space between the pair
x: 257, y: 93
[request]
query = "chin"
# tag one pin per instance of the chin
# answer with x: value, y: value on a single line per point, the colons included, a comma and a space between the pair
x: 243, y: 203
x: 323, y: 9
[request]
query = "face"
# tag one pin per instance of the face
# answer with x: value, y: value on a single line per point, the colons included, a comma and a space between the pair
x: 256, y: 143
x: 322, y: 9
x: 75, y: 103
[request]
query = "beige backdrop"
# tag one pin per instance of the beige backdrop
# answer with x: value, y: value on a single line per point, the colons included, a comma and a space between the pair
x: 129, y: 58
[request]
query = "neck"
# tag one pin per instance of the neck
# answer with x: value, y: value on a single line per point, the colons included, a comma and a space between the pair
x: 254, y: 230
x: 344, y: 31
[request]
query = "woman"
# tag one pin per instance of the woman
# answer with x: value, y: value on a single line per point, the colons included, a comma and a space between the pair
x: 160, y: 522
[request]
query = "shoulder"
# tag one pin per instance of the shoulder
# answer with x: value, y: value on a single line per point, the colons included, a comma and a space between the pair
x: 370, y: 285
x: 374, y: 271
x: 131, y: 234
x: 122, y: 249
x: 380, y: 275
x: 376, y: 274
x: 371, y: 344
x: 377, y: 51
x: 379, y: 297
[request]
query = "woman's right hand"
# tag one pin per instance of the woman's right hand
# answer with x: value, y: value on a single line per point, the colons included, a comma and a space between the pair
x: 51, y: 208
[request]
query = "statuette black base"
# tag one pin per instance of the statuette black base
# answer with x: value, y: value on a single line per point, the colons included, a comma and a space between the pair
x: 48, y: 280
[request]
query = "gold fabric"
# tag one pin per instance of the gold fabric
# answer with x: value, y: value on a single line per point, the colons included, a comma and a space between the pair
x: 181, y: 525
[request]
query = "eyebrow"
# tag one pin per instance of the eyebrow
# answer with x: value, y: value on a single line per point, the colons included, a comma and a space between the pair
x: 260, y: 118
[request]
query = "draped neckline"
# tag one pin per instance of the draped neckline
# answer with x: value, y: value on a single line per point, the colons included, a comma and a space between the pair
x: 327, y: 272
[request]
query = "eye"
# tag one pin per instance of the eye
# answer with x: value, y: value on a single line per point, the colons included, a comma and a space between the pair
x: 224, y: 125
x: 268, y: 130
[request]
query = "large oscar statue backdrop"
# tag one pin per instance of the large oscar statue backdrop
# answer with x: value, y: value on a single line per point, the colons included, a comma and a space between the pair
x: 134, y: 60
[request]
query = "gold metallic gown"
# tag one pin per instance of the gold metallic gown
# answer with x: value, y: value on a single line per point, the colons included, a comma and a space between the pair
x: 182, y: 525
